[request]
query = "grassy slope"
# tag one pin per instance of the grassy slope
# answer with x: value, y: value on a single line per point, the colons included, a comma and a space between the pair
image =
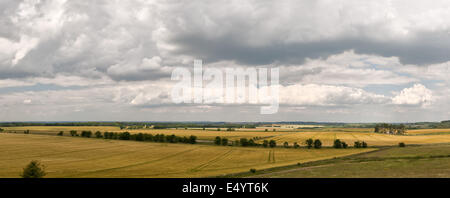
x: 413, y: 161
x: 90, y: 157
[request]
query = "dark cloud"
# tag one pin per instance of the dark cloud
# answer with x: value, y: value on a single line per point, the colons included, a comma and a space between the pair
x: 428, y: 48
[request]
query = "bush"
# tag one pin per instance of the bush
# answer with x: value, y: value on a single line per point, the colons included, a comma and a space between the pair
x: 265, y: 143
x: 364, y: 144
x: 317, y: 144
x: 272, y: 143
x: 401, y: 144
x: 87, y: 134
x: 98, y: 134
x: 139, y: 137
x: 26, y: 132
x: 286, y: 145
x: 253, y: 170
x: 33, y: 170
x: 192, y: 139
x: 337, y: 143
x: 1, y: 130
x: 296, y: 145
x: 244, y: 142
x: 73, y: 133
x: 357, y: 144
x: 344, y: 145
x: 309, y: 143
x: 218, y: 140
x: 61, y: 133
x: 124, y: 136
x: 224, y: 141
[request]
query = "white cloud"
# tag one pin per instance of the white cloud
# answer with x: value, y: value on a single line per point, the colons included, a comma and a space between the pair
x: 326, y: 95
x: 417, y: 95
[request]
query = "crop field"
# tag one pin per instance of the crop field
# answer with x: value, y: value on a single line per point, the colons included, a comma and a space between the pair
x: 201, y: 134
x: 373, y: 139
x: 414, y: 162
x: 326, y: 135
x: 428, y: 131
x: 91, y: 157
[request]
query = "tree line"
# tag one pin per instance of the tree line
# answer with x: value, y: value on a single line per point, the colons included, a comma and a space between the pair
x: 390, y: 129
x: 144, y: 137
x: 309, y: 143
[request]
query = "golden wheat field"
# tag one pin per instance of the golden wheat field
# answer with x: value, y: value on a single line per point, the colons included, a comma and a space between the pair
x: 373, y: 139
x: 91, y: 157
x: 326, y: 135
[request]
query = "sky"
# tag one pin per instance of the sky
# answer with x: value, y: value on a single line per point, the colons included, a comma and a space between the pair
x: 339, y: 61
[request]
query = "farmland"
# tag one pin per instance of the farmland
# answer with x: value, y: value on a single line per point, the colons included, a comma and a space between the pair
x: 66, y: 156
x: 326, y: 135
x: 412, y: 162
x: 90, y: 157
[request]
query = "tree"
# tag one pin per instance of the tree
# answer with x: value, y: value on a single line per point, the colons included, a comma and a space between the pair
x: 124, y: 136
x: 224, y: 141
x: 401, y: 144
x: 73, y: 133
x: 33, y: 170
x: 98, y: 134
x: 265, y: 143
x: 1, y: 130
x: 192, y: 139
x: 337, y: 143
x: 296, y: 145
x: 317, y: 144
x: 344, y: 145
x: 251, y: 142
x: 286, y: 145
x: 244, y: 142
x: 139, y: 137
x: 272, y: 143
x: 309, y: 143
x: 61, y: 133
x: 357, y: 144
x: 26, y: 132
x: 218, y: 140
x: 364, y: 144
x: 87, y: 134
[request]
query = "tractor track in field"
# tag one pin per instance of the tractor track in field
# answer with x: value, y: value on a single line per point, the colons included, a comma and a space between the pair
x: 60, y: 153
x: 290, y: 170
x: 271, y: 158
x: 138, y: 164
x: 218, y: 158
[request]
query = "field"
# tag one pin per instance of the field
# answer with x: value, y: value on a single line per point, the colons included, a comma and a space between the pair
x: 413, y: 162
x: 373, y: 139
x: 90, y: 157
x: 426, y: 155
x: 326, y: 135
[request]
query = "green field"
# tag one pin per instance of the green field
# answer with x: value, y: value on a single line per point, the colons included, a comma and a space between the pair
x: 91, y: 157
x: 414, y: 161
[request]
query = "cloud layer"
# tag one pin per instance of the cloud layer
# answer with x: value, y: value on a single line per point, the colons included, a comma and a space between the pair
x: 112, y: 60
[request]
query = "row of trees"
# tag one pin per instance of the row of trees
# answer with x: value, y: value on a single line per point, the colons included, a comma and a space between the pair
x: 137, y: 137
x: 390, y: 129
x: 310, y: 143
